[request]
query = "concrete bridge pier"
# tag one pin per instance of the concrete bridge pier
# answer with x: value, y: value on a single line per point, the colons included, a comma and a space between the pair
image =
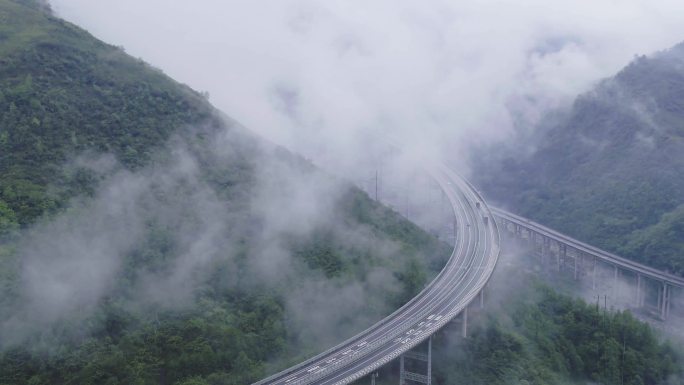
x: 664, y: 301
x: 405, y: 375
x: 374, y: 375
x: 638, y: 297
x: 657, y: 294
x: 530, y: 239
x: 481, y: 295
x: 616, y: 278
x: 593, y: 274
x: 464, y: 322
x: 560, y: 257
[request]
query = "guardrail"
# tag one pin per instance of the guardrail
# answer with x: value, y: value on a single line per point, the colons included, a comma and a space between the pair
x: 603, y: 255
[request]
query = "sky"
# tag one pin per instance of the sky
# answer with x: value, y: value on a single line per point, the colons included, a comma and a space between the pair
x: 440, y: 75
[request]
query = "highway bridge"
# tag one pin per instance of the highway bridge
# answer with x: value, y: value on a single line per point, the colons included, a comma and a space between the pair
x: 583, y: 260
x: 471, y: 264
x: 468, y: 269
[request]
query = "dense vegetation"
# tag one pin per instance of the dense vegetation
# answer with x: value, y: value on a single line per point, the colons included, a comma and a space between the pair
x: 554, y: 339
x: 610, y: 171
x: 63, y: 92
x: 145, y: 240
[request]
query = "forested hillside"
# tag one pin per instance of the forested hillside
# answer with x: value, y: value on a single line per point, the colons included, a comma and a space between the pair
x: 143, y: 239
x: 610, y: 170
x: 548, y: 338
x: 146, y: 240
x: 62, y: 93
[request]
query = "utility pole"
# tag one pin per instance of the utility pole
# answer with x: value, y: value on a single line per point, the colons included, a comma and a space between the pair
x: 376, y: 185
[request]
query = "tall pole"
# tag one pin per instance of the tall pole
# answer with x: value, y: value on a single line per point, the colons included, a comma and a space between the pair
x: 615, y: 283
x: 376, y: 185
x: 593, y: 275
x: 401, y: 370
x: 429, y: 362
x: 638, y: 291
x: 464, y: 325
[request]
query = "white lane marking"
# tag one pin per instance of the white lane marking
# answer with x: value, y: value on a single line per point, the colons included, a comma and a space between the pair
x: 346, y: 352
x: 312, y: 369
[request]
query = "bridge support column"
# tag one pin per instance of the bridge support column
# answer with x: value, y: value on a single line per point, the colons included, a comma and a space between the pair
x: 405, y: 375
x: 593, y: 275
x: 429, y: 362
x: 561, y: 255
x: 374, y: 375
x: 482, y: 298
x: 464, y: 324
x: 576, y: 274
x: 664, y: 303
x: 616, y: 275
x: 402, y: 374
x: 531, y: 240
x: 660, y: 299
x: 638, y: 292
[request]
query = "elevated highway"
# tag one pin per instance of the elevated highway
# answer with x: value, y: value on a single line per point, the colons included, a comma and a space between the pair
x: 470, y: 266
x: 584, y: 259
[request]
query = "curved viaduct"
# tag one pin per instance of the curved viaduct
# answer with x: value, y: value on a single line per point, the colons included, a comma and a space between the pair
x: 583, y: 260
x: 471, y: 264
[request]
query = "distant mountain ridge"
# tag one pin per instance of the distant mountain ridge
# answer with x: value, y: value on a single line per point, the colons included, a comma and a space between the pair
x: 610, y: 170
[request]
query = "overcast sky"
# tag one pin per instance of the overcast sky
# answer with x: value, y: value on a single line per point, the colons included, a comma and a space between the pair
x: 443, y: 72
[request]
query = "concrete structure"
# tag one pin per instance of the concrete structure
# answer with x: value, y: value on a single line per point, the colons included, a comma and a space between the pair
x: 470, y: 266
x: 416, y: 355
x: 601, y: 267
x: 473, y: 230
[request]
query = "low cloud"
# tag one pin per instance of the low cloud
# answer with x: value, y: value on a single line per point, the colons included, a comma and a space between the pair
x: 152, y: 239
x: 442, y: 76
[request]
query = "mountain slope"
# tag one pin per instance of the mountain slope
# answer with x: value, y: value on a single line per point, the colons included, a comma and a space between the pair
x: 610, y: 171
x: 63, y: 92
x: 143, y: 239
